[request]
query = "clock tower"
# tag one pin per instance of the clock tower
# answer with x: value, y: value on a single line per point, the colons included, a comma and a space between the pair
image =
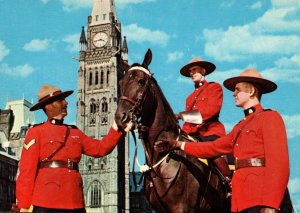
x: 106, y: 180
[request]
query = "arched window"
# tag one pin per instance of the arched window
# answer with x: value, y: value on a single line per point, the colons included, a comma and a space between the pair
x: 91, y: 79
x: 94, y: 194
x: 92, y: 108
x: 107, y: 77
x: 102, y: 77
x: 97, y: 78
x: 104, y: 105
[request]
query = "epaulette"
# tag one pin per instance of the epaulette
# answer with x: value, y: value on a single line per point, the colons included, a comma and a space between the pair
x: 268, y: 110
x: 72, y: 126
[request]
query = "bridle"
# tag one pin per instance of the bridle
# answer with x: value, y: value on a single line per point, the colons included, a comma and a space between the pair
x: 131, y: 114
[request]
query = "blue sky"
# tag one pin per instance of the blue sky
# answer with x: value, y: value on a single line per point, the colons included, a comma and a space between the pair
x: 38, y: 39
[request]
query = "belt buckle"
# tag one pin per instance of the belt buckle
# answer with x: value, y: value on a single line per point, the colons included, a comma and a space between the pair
x: 70, y: 165
x: 255, y: 162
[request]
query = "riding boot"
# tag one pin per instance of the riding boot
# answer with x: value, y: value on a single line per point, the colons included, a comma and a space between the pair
x: 222, y: 166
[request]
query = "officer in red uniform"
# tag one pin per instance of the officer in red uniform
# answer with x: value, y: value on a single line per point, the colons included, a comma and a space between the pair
x: 49, y: 178
x: 259, y: 145
x: 203, y: 106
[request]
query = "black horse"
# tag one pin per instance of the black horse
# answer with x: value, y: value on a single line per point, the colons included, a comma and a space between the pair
x: 176, y: 182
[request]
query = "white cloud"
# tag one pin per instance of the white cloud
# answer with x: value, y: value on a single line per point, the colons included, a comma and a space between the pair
x: 228, y: 3
x: 73, y: 42
x: 18, y: 71
x: 139, y: 34
x: 276, y: 32
x: 292, y: 125
x: 37, y: 45
x: 294, y: 189
x: 72, y: 5
x: 174, y: 56
x: 256, y: 5
x: 45, y: 1
x: 3, y: 50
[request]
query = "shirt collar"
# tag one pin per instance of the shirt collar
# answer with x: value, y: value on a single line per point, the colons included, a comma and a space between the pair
x: 253, y: 109
x: 56, y: 121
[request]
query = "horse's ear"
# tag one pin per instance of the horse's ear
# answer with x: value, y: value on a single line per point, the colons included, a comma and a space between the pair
x: 124, y: 65
x: 147, y: 59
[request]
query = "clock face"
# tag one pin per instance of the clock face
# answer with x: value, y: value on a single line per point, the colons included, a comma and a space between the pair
x: 100, y: 39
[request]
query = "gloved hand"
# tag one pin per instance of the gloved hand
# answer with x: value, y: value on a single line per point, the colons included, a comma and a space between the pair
x: 178, y: 116
x: 166, y: 145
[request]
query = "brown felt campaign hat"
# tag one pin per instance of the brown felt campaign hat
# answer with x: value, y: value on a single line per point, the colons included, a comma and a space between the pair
x: 49, y: 94
x: 208, y: 66
x: 251, y: 75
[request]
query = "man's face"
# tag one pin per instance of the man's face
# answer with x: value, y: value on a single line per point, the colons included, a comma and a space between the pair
x: 197, y: 74
x: 57, y: 109
x: 242, y: 94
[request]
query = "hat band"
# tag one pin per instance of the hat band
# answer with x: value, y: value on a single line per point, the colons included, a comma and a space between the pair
x: 49, y: 95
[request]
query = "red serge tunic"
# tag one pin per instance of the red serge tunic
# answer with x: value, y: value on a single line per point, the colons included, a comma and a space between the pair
x: 56, y: 187
x: 208, y: 103
x: 263, y: 137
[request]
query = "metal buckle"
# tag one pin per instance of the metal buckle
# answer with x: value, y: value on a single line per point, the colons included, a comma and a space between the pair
x: 70, y: 164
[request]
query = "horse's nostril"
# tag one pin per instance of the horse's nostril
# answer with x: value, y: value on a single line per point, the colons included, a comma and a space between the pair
x: 124, y: 117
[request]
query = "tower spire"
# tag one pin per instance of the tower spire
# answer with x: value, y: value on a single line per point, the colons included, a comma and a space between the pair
x: 103, y: 12
x: 82, y: 40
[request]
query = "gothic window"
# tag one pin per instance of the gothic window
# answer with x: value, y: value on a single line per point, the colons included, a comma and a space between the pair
x: 107, y: 77
x: 97, y: 78
x: 97, y: 17
x: 102, y: 78
x: 104, y: 105
x: 94, y: 194
x: 104, y: 15
x: 91, y: 79
x: 92, y: 108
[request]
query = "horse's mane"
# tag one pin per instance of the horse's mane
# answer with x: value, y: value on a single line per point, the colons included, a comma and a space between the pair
x: 169, y: 111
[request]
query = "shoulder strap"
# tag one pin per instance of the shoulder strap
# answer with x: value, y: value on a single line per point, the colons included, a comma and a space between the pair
x: 60, y: 147
x: 199, y: 92
x: 247, y: 122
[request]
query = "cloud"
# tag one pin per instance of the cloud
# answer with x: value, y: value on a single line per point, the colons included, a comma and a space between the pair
x: 3, y: 50
x: 294, y: 189
x: 134, y: 33
x: 72, y: 41
x: 18, y: 71
x: 73, y: 5
x: 44, y: 1
x: 276, y: 32
x: 37, y: 45
x: 174, y: 56
x: 256, y: 5
x: 292, y: 125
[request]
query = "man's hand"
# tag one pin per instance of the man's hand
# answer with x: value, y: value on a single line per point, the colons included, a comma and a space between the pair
x: 178, y: 116
x: 166, y: 145
x: 127, y: 128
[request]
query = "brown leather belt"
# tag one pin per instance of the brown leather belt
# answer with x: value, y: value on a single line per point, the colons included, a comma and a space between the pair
x: 59, y: 164
x: 250, y: 162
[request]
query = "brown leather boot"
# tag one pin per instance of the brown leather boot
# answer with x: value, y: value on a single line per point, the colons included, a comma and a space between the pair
x: 222, y: 166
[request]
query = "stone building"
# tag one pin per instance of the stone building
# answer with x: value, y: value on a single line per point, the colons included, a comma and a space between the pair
x: 106, y: 180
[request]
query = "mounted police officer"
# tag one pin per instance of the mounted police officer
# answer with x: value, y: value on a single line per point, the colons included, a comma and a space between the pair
x: 259, y: 145
x: 203, y: 105
x: 49, y: 178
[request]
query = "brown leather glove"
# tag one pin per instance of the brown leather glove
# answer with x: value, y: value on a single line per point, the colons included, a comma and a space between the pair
x: 166, y: 145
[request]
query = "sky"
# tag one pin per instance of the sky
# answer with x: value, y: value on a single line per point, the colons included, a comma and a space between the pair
x: 39, y: 40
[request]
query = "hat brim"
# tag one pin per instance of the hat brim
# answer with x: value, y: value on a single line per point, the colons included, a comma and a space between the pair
x: 209, y: 67
x: 51, y: 99
x: 265, y: 86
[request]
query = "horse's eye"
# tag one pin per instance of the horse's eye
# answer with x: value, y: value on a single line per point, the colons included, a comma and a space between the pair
x: 142, y: 82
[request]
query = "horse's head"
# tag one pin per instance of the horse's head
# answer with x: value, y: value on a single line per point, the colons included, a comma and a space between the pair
x: 135, y: 91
